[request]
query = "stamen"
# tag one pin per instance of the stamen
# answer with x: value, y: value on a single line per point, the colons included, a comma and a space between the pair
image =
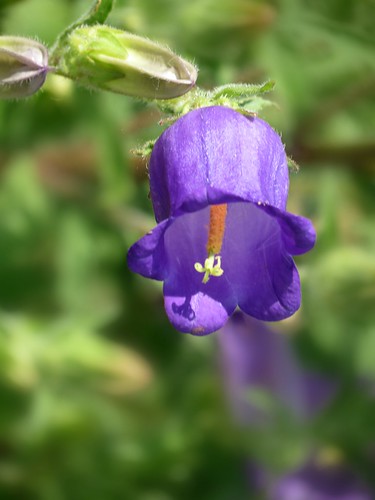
x: 210, y: 268
x: 212, y: 265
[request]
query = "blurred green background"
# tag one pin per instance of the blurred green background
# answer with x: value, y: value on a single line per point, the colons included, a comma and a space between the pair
x: 99, y: 397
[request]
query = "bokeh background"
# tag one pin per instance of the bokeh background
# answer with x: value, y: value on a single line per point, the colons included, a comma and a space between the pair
x: 99, y: 397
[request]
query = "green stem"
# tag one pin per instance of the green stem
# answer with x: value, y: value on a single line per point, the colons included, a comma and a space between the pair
x: 96, y: 15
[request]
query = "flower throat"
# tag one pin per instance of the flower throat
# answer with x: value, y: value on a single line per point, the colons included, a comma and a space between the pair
x: 212, y: 265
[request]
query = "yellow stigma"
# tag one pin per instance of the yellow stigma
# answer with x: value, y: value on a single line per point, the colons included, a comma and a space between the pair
x: 212, y: 265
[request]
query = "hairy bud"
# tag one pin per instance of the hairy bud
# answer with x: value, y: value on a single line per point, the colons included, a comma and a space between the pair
x: 23, y: 67
x: 102, y: 57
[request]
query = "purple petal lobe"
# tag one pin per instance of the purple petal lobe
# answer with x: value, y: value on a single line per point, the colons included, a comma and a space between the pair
x: 298, y: 232
x: 146, y: 256
x: 198, y: 314
x: 261, y: 272
x: 191, y: 305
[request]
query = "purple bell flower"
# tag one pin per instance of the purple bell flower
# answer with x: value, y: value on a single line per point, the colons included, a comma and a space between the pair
x: 321, y: 482
x: 255, y: 357
x: 219, y: 186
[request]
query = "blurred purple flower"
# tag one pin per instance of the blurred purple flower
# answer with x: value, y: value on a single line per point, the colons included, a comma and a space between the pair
x: 321, y: 482
x: 255, y: 357
x: 219, y: 185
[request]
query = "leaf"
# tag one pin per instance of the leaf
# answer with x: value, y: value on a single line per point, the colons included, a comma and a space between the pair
x: 144, y: 150
x: 242, y: 91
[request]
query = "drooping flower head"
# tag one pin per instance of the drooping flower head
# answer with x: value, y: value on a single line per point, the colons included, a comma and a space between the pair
x: 219, y: 185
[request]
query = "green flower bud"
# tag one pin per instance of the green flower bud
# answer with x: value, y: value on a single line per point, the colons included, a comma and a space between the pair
x: 23, y: 66
x: 102, y: 57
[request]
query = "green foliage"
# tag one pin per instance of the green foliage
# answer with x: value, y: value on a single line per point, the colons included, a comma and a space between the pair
x: 245, y: 98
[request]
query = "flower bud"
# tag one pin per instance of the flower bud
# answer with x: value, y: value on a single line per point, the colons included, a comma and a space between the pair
x: 23, y: 66
x: 105, y: 58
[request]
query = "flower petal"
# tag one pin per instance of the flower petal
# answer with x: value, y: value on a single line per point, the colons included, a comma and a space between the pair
x: 299, y: 235
x: 199, y: 314
x: 147, y: 255
x: 214, y: 155
x: 191, y: 305
x: 263, y: 275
